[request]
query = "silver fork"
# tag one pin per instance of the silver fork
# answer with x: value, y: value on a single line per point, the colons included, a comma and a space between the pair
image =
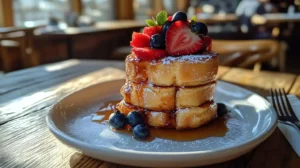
x: 282, y: 106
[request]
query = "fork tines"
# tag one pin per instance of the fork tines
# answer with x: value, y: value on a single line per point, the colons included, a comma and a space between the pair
x: 282, y: 105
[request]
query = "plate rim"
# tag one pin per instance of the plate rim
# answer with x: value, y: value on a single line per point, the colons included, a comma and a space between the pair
x: 249, y: 144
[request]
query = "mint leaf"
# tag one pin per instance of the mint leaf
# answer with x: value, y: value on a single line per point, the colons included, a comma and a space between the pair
x: 194, y: 18
x: 161, y: 17
x: 150, y: 22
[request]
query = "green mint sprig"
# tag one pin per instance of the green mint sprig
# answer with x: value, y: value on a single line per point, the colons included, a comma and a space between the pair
x: 194, y: 18
x: 161, y: 18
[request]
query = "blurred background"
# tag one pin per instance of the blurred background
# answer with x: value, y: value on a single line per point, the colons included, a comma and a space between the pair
x: 253, y: 34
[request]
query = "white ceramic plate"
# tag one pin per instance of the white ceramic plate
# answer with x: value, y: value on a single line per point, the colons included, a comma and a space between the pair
x: 250, y: 122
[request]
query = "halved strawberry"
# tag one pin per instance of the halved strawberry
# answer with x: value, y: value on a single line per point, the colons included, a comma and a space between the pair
x: 140, y: 40
x: 207, y: 42
x: 148, y: 53
x: 169, y: 18
x: 152, y: 30
x: 180, y: 40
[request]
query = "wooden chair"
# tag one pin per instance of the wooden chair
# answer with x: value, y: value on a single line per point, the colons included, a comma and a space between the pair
x: 48, y: 48
x: 10, y: 55
x: 12, y: 51
x: 247, y: 53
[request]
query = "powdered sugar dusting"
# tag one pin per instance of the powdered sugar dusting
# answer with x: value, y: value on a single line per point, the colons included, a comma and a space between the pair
x: 188, y: 58
x: 127, y: 88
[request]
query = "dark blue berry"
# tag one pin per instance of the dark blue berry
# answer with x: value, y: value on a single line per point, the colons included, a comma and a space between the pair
x: 141, y: 132
x: 135, y: 118
x: 117, y: 120
x: 179, y: 16
x: 199, y: 28
x: 157, y: 41
x: 166, y: 27
x: 221, y: 109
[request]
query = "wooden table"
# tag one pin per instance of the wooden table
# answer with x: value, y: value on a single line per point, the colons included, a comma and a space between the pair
x: 26, y: 97
x: 94, y: 42
x: 217, y: 18
x: 275, y: 18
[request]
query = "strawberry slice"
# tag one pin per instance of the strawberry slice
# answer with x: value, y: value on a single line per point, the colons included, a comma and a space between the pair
x: 180, y: 40
x: 148, y: 53
x: 140, y: 40
x: 207, y: 43
x: 152, y: 30
x: 169, y: 18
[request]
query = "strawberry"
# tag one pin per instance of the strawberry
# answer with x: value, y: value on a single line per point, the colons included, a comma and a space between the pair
x: 140, y: 40
x: 169, y: 18
x: 207, y: 43
x: 148, y: 53
x: 152, y: 30
x: 180, y: 40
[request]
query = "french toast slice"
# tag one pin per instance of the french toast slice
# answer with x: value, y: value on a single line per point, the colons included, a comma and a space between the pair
x: 149, y: 96
x: 166, y: 98
x: 183, y: 118
x: 189, y: 70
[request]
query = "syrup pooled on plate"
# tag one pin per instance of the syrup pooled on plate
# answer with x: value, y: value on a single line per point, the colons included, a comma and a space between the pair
x: 105, y: 110
x: 216, y: 128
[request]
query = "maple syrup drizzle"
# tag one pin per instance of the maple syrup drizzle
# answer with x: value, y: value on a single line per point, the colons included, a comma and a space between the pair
x: 140, y: 93
x: 216, y: 128
x: 127, y: 91
x: 140, y: 72
x: 106, y: 109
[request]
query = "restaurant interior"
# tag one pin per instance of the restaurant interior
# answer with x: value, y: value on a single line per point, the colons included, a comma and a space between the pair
x: 72, y: 95
x: 252, y: 34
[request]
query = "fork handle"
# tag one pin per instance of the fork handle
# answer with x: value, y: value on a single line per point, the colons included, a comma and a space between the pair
x: 296, y: 125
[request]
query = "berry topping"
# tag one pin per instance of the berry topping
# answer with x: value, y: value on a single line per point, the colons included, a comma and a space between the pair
x: 221, y: 109
x: 180, y: 40
x: 117, y: 120
x: 179, y: 16
x: 135, y: 118
x: 166, y: 27
x: 148, y: 53
x: 140, y: 40
x: 157, y: 41
x: 171, y: 35
x: 207, y: 42
x: 199, y: 28
x: 152, y: 30
x: 141, y: 132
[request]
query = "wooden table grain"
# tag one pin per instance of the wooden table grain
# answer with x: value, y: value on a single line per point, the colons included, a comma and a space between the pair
x: 26, y: 97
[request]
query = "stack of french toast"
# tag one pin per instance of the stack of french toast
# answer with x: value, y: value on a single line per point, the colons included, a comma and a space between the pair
x: 171, y: 74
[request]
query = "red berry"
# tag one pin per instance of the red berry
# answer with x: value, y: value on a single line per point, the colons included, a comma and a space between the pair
x: 148, y: 53
x: 169, y: 18
x: 207, y: 43
x: 152, y: 30
x: 180, y: 40
x: 140, y: 40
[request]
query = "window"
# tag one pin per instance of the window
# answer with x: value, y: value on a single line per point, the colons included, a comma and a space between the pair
x: 31, y: 13
x: 141, y: 8
x: 99, y: 10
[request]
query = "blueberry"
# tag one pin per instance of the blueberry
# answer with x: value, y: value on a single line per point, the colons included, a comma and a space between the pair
x: 117, y: 120
x: 157, y: 41
x: 135, y: 118
x: 141, y: 131
x: 179, y: 16
x: 221, y: 109
x: 199, y: 28
x: 166, y: 27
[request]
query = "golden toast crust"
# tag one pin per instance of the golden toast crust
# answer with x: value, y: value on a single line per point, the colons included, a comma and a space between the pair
x: 190, y: 70
x: 166, y: 98
x: 183, y: 118
x: 171, y: 92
